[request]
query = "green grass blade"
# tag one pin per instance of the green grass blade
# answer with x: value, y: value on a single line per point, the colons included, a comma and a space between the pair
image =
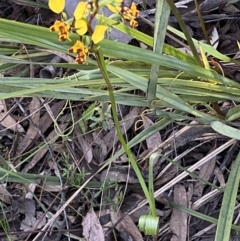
x: 226, y: 130
x: 185, y: 31
x: 11, y: 176
x: 199, y: 215
x: 228, y: 204
x: 161, y: 22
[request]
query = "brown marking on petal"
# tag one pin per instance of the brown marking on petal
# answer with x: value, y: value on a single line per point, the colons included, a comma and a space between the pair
x: 62, y: 29
x: 133, y: 23
x: 135, y: 15
x: 62, y: 37
x: 79, y: 60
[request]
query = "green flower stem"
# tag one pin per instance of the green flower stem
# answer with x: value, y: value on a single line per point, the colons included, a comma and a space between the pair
x: 150, y: 180
x: 102, y: 66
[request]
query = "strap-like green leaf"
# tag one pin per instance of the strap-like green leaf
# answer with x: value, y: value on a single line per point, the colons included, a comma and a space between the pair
x: 228, y: 204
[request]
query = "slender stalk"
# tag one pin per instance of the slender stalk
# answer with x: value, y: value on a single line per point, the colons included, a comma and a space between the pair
x: 202, y: 22
x: 102, y: 66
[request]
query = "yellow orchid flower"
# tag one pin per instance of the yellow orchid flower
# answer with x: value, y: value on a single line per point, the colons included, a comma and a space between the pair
x: 130, y: 13
x: 99, y: 33
x: 77, y: 47
x: 63, y: 29
x: 81, y: 51
x: 56, y: 6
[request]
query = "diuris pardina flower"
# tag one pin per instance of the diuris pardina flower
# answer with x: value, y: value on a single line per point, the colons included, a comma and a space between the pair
x: 80, y: 14
x: 129, y: 14
x: 81, y: 51
x: 81, y: 24
x: 63, y: 29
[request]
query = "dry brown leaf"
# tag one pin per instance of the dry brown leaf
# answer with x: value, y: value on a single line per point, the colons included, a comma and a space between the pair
x: 92, y: 229
x: 205, y: 173
x: 105, y: 142
x: 5, y: 196
x: 178, y: 222
x: 154, y: 140
x: 119, y: 174
x: 184, y: 136
x: 167, y: 176
x: 30, y: 222
x: 125, y: 125
x: 46, y: 120
x: 231, y: 8
x: 101, y: 147
x: 31, y: 189
x: 219, y: 175
x: 126, y: 225
x: 189, y: 195
x: 7, y: 121
x: 189, y: 201
x: 32, y: 132
x: 85, y: 146
x: 39, y: 155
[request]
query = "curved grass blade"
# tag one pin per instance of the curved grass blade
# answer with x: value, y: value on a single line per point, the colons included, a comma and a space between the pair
x: 199, y: 215
x: 225, y: 130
